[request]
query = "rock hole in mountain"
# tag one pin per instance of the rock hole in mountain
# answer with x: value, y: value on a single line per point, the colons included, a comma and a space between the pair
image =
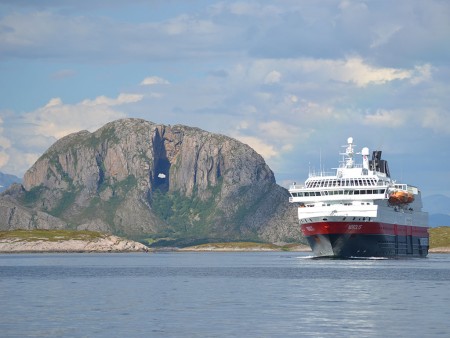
x: 101, y: 172
x: 161, y: 175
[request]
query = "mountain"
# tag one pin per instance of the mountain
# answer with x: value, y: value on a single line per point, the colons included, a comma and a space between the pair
x: 6, y: 180
x: 138, y: 179
x: 438, y: 207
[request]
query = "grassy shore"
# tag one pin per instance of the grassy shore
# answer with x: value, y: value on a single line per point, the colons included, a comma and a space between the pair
x: 440, y: 239
x: 50, y: 235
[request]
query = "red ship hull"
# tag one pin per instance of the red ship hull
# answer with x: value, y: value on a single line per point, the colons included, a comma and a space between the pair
x: 366, y: 239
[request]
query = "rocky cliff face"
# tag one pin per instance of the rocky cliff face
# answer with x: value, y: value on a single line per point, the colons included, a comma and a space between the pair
x: 136, y: 178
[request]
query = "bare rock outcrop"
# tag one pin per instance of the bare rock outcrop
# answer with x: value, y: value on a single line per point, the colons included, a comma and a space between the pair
x: 15, y: 216
x: 103, y: 244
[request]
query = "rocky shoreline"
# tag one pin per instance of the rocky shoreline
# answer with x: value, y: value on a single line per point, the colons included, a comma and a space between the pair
x: 256, y: 248
x: 440, y: 250
x: 107, y: 243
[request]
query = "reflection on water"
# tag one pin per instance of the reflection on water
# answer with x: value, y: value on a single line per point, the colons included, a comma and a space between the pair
x: 263, y: 294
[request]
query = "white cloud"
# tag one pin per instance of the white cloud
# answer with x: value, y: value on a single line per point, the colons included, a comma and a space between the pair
x: 437, y: 120
x: 248, y: 109
x: 186, y: 24
x: 279, y: 131
x: 35, y: 131
x: 384, y: 118
x: 292, y: 98
x: 264, y: 96
x: 153, y: 80
x: 249, y: 9
x: 270, y: 139
x: 355, y: 70
x: 273, y: 77
x: 422, y: 73
x: 57, y: 119
x: 106, y: 101
x: 384, y: 33
x: 4, y: 158
x: 5, y: 144
x: 100, y: 39
x: 56, y: 101
x: 18, y: 161
x: 265, y: 150
x: 242, y: 8
x: 313, y: 112
x: 242, y: 125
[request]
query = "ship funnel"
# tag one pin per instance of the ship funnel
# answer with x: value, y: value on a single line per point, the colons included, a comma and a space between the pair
x: 365, y: 155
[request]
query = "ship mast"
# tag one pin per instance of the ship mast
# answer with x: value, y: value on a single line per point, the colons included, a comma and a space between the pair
x: 349, y: 152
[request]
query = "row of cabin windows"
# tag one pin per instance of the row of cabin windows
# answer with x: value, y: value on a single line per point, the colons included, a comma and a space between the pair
x: 328, y: 204
x: 342, y: 182
x: 337, y: 192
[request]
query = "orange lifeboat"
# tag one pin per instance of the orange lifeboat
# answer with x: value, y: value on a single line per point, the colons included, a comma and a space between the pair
x: 400, y: 197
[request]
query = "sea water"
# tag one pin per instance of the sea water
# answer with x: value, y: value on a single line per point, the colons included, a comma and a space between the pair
x: 245, y: 294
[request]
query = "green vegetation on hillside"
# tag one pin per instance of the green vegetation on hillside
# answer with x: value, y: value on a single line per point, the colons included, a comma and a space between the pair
x: 29, y: 198
x: 66, y: 200
x: 186, y: 214
x: 94, y: 140
x: 439, y: 237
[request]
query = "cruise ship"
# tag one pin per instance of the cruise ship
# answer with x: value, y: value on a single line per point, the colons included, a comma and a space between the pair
x: 359, y: 211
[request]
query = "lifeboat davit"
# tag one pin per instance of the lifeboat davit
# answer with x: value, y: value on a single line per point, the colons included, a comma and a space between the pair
x: 400, y: 197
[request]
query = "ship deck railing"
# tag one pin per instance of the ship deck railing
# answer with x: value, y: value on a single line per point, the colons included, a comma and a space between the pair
x: 321, y: 174
x: 311, y: 195
x: 343, y: 184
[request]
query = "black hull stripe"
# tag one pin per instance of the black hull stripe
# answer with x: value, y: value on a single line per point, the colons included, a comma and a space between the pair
x: 356, y: 245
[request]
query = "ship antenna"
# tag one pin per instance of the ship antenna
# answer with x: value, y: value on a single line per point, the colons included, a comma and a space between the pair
x: 320, y: 162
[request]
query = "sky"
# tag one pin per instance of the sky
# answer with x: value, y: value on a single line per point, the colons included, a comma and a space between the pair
x: 291, y: 78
